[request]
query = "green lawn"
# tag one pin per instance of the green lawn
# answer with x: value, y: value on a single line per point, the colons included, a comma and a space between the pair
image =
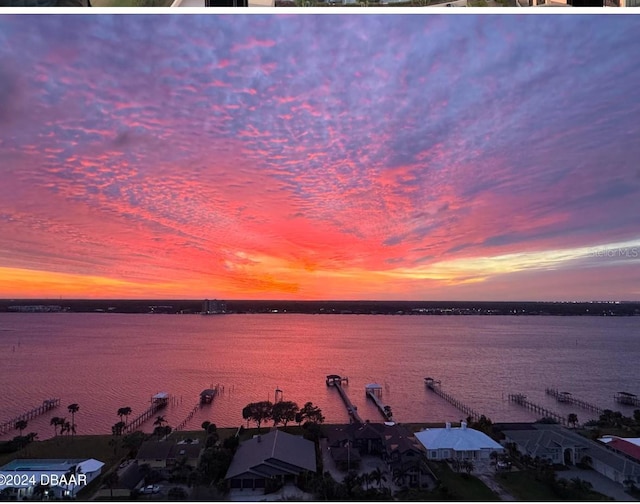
x: 460, y: 486
x: 524, y: 486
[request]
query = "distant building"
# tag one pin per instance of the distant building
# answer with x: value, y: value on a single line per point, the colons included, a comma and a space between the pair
x: 60, y: 478
x: 213, y: 307
x: 459, y: 443
x: 275, y: 455
x: 35, y: 308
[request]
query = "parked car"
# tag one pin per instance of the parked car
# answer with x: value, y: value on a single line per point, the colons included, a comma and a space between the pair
x: 151, y: 489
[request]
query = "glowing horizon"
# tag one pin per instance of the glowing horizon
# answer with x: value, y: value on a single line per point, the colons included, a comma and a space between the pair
x: 320, y: 157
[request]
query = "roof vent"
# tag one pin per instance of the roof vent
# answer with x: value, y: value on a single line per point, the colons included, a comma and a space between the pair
x: 448, y: 425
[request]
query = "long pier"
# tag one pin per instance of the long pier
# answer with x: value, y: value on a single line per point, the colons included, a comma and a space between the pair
x: 627, y: 399
x: 434, y: 386
x: 566, y: 397
x: 521, y: 399
x: 182, y: 424
x: 159, y: 402
x: 47, y: 405
x: 336, y: 381
x: 374, y: 394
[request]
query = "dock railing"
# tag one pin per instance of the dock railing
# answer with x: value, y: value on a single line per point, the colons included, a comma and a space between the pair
x: 435, y: 386
x: 522, y: 400
x: 568, y: 398
x: 47, y: 405
x: 336, y: 381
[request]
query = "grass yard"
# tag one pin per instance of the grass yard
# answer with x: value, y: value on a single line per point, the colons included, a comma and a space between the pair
x: 461, y: 487
x: 524, y: 486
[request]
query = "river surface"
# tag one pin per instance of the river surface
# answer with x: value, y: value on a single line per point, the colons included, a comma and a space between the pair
x: 107, y: 361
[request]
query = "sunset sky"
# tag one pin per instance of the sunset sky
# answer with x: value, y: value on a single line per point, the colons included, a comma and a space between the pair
x: 432, y: 157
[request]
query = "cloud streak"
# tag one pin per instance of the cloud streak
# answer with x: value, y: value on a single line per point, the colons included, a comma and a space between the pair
x: 317, y: 156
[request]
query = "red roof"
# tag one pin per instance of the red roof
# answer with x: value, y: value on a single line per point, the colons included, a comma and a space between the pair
x: 625, y: 447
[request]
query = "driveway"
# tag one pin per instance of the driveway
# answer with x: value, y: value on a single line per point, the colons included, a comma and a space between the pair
x: 600, y: 483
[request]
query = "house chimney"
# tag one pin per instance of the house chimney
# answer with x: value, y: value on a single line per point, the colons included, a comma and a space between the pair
x: 463, y: 425
x: 448, y: 425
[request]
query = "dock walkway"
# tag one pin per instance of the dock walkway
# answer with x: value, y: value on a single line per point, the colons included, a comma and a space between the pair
x: 47, y: 405
x: 384, y: 409
x: 336, y: 381
x: 627, y: 399
x: 158, y: 403
x: 434, y: 386
x: 521, y: 399
x: 182, y: 424
x: 566, y: 397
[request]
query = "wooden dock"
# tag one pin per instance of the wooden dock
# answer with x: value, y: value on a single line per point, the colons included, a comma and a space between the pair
x: 627, y: 399
x: 47, y: 405
x: 336, y: 381
x: 521, y: 399
x: 566, y: 397
x: 374, y: 392
x: 182, y: 424
x: 434, y: 386
x: 158, y: 402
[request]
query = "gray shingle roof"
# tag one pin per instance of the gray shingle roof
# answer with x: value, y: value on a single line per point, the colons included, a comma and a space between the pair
x: 541, y: 438
x: 273, y: 453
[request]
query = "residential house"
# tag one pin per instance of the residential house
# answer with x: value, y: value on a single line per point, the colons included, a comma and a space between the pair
x: 63, y: 478
x: 460, y: 443
x: 566, y: 447
x: 277, y: 456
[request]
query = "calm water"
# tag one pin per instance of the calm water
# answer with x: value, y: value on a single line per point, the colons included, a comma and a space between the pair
x: 107, y: 361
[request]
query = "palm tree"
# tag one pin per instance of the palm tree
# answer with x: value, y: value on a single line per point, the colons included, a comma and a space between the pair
x: 572, y: 419
x: 160, y: 421
x: 205, y: 425
x: 71, y: 475
x: 378, y: 476
x: 400, y: 475
x: 118, y: 428
x: 494, y: 459
x: 21, y: 425
x: 55, y: 421
x: 65, y: 427
x: 124, y: 412
x: 73, y: 409
x: 112, y: 480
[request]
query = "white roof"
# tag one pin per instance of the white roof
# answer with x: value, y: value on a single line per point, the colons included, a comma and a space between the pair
x: 161, y: 395
x: 459, y: 439
x: 372, y: 386
x: 36, y: 468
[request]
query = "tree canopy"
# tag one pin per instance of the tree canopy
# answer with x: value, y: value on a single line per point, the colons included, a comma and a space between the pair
x: 258, y: 412
x: 284, y: 412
